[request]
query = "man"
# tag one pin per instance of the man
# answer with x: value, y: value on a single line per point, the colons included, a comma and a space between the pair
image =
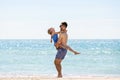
x: 61, y: 52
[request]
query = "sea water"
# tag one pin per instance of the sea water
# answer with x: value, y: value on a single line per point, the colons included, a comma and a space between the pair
x: 36, y: 57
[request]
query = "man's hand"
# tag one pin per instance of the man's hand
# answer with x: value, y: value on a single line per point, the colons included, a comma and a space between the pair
x: 56, y: 45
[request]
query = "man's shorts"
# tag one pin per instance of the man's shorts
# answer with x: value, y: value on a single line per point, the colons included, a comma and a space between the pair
x: 61, y: 53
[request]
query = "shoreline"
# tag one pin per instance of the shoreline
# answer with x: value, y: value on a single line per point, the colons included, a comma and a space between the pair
x: 54, y: 75
x: 49, y: 77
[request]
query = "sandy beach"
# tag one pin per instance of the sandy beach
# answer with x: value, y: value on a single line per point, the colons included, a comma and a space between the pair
x: 54, y: 78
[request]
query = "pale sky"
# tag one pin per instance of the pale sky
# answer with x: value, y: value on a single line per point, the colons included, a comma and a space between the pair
x: 87, y: 19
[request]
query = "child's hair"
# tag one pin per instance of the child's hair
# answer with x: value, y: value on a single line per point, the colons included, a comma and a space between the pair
x: 49, y: 31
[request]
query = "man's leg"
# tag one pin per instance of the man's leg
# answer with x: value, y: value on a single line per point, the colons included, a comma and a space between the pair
x: 58, y: 66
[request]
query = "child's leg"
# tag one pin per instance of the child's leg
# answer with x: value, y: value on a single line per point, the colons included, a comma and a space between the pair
x: 69, y: 48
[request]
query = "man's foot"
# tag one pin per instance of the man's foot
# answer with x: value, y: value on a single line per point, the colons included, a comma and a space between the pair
x: 76, y: 53
x: 59, y: 75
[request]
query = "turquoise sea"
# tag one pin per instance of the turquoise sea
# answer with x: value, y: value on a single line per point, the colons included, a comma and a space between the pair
x: 36, y: 57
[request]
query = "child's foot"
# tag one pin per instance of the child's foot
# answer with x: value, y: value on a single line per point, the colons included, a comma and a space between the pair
x: 76, y: 53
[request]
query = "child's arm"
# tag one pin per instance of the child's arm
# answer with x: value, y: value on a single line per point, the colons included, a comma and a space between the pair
x: 51, y: 40
x: 60, y: 32
x: 57, y: 32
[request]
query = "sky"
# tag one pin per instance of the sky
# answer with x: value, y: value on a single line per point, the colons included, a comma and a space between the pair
x: 87, y: 19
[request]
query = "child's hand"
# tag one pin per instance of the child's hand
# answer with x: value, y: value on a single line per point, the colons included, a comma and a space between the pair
x: 65, y: 30
x: 51, y: 40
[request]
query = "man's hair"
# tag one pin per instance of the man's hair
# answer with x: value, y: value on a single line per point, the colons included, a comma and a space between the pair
x: 64, y: 23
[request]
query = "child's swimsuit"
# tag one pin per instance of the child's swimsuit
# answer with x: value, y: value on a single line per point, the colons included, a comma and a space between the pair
x: 55, y: 38
x: 61, y: 52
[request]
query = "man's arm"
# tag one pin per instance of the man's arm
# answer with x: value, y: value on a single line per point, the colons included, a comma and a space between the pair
x: 59, y: 41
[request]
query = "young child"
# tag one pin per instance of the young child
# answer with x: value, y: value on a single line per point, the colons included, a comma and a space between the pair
x: 54, y: 37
